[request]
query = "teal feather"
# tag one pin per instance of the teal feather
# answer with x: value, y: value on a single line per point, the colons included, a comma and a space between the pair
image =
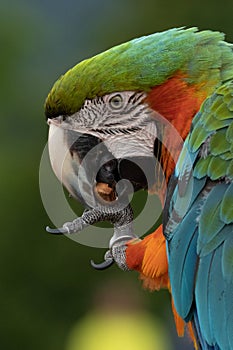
x: 210, y: 222
x: 185, y: 162
x: 211, y: 139
x: 184, y: 268
x: 211, y: 300
x: 217, y: 300
x: 215, y: 242
x: 227, y: 261
x: 202, y: 297
x: 226, y: 207
x: 181, y: 204
x: 227, y: 280
x: 229, y: 328
x: 184, y: 203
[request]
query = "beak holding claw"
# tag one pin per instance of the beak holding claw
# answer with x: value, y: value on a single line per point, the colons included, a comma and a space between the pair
x: 67, y: 151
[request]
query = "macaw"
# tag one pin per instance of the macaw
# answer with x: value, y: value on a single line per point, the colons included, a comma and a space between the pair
x: 162, y: 102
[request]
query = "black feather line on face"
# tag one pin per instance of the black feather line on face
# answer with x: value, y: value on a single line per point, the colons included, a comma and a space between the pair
x: 82, y: 144
x: 157, y: 149
x: 108, y: 172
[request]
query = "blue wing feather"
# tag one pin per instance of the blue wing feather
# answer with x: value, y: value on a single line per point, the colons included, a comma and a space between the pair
x: 227, y: 260
x: 198, y: 225
x: 201, y: 295
x: 230, y: 323
x: 210, y: 222
x: 183, y: 267
x: 221, y: 237
x: 218, y: 300
x: 226, y: 213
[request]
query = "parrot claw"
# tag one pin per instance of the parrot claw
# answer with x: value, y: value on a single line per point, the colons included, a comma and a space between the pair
x: 57, y: 231
x: 122, y: 219
x: 108, y: 261
x: 74, y: 226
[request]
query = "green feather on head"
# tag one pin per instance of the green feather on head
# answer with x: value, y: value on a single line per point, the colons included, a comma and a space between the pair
x: 141, y: 64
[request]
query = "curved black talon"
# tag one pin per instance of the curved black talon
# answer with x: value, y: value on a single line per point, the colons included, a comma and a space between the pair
x: 57, y: 231
x: 104, y: 265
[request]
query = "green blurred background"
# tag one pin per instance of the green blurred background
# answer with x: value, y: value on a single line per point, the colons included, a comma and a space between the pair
x: 46, y: 283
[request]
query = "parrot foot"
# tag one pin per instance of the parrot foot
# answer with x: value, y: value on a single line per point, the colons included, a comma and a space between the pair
x: 116, y: 254
x: 120, y: 216
x: 76, y: 225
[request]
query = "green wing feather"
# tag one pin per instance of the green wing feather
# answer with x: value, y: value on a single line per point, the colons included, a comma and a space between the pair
x: 212, y: 134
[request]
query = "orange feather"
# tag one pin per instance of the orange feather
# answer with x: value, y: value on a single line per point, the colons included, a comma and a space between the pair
x: 177, y: 101
x: 148, y: 256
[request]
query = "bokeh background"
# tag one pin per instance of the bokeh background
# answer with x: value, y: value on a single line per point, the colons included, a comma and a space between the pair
x: 46, y: 283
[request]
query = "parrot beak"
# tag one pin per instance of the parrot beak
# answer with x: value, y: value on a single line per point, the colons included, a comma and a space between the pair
x: 63, y: 164
x: 82, y: 164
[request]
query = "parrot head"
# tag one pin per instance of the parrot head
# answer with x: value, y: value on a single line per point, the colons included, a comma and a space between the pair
x: 114, y: 118
x: 113, y: 135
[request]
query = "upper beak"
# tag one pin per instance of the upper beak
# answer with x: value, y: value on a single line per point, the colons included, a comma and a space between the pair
x: 82, y: 163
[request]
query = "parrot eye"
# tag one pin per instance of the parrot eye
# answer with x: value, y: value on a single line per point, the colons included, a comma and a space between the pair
x: 116, y: 101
